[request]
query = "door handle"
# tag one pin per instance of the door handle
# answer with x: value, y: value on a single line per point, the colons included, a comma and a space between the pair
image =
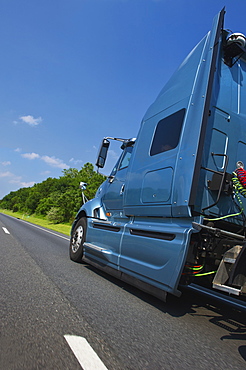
x: 122, y: 189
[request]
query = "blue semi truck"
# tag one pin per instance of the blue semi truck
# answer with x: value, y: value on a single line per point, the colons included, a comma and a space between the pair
x: 171, y: 213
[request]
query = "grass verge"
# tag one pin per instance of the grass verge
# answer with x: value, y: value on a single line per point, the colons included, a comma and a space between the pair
x: 61, y: 228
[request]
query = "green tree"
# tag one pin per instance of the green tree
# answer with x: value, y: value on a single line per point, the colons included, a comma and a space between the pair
x: 60, y: 196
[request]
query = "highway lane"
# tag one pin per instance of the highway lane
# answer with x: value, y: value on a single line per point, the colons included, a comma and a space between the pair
x: 45, y: 296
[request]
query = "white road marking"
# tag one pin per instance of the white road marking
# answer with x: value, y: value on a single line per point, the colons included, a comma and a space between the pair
x: 43, y: 229
x: 88, y: 359
x: 5, y: 230
x: 47, y: 231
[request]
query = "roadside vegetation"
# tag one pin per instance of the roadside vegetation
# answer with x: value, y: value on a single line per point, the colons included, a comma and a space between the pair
x: 54, y: 202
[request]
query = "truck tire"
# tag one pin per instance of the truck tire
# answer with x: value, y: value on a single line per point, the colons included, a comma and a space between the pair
x: 77, y: 240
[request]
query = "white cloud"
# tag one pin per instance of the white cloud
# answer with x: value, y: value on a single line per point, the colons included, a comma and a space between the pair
x: 22, y: 184
x: 27, y: 184
x: 13, y: 179
x: 6, y: 163
x: 51, y: 161
x: 54, y: 162
x: 18, y: 150
x: 30, y: 120
x: 75, y: 161
x: 6, y: 174
x: 30, y: 155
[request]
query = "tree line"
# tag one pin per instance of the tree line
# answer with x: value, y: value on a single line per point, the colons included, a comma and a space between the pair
x: 58, y: 199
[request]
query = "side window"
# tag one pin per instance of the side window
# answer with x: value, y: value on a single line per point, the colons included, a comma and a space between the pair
x: 123, y: 161
x: 114, y: 170
x: 167, y: 133
x: 126, y: 158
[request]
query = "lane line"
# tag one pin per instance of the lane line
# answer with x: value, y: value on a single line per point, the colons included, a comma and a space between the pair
x: 5, y: 230
x: 47, y: 231
x: 87, y: 357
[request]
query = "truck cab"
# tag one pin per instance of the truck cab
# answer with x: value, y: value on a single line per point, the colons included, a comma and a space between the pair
x: 171, y: 212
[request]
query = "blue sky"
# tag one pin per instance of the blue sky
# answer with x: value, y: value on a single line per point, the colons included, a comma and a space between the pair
x: 74, y: 71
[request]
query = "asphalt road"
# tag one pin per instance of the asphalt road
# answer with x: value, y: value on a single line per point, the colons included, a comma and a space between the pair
x: 46, y: 298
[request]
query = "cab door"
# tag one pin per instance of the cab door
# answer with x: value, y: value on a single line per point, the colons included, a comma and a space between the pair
x: 106, y: 236
x: 113, y: 198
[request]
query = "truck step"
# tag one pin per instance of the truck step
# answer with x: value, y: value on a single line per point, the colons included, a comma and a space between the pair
x: 94, y: 247
x: 230, y: 276
x: 227, y: 289
x: 221, y: 297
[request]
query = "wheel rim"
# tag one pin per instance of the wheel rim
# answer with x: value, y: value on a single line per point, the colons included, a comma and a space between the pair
x: 77, y: 239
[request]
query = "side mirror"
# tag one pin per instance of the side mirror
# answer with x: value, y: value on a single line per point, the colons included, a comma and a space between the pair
x: 102, y: 155
x: 82, y: 185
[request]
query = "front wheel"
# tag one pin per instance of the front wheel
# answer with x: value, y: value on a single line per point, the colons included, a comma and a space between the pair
x: 77, y: 240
